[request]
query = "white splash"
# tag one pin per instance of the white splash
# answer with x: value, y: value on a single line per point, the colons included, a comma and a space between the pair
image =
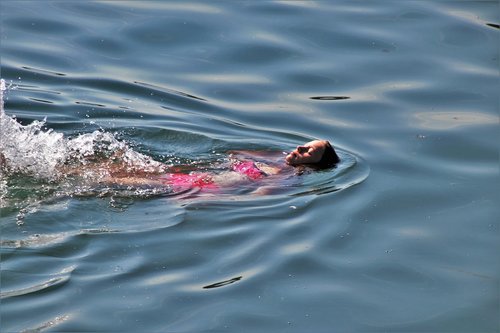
x: 39, y: 152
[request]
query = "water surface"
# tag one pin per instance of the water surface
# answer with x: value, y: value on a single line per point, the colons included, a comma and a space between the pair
x: 403, y: 241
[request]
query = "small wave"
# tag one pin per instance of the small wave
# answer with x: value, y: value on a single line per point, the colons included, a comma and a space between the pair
x: 38, y: 240
x: 48, y: 324
x: 36, y: 288
x: 55, y: 281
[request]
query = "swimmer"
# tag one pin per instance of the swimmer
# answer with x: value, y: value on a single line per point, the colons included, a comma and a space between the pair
x: 245, y: 167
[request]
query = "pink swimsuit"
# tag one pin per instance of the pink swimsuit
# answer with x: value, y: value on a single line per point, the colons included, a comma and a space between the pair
x: 205, y: 180
x: 191, y: 180
x: 249, y: 169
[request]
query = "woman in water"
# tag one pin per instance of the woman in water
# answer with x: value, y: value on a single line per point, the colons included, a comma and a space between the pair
x: 245, y: 167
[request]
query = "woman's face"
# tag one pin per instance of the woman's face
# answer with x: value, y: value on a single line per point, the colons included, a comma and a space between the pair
x: 308, y: 153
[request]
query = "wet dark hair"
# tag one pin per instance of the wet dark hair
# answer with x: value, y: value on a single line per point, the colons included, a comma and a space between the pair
x: 329, y: 158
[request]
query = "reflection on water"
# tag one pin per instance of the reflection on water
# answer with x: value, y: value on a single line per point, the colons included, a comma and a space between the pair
x: 450, y: 120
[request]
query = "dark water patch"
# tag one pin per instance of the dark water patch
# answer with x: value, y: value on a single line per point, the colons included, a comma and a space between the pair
x: 169, y: 91
x: 223, y: 283
x: 90, y: 104
x: 42, y: 71
x: 329, y: 98
x: 40, y: 100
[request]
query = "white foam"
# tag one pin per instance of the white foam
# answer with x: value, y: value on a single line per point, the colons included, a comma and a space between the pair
x: 38, y: 152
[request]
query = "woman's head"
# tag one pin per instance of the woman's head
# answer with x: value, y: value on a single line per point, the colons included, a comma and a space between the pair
x: 317, y: 153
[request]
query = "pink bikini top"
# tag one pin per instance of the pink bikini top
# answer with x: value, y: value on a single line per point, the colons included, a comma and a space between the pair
x: 205, y: 180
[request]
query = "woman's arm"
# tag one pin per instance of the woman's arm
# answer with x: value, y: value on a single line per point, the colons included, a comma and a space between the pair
x: 131, y: 181
x: 264, y: 155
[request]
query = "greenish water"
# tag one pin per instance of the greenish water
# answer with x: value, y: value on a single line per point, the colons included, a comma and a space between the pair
x: 402, y: 238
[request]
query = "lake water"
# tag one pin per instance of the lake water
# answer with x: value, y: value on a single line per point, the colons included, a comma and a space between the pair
x: 402, y: 237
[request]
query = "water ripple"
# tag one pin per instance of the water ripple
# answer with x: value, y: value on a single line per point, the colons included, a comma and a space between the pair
x: 56, y: 280
x: 411, y: 86
x: 48, y: 324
